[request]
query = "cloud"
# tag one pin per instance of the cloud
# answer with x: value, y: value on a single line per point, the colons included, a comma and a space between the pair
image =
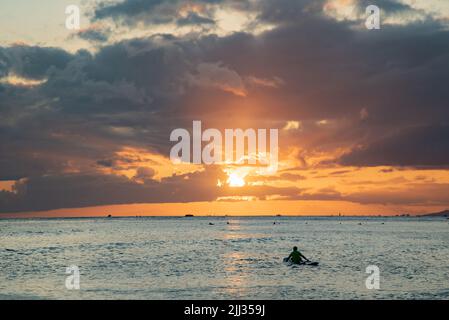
x: 144, y: 173
x: 216, y: 75
x: 81, y: 190
x: 31, y: 62
x: 95, y: 34
x: 426, y: 146
x: 413, y: 194
x: 409, y: 194
x: 180, y: 12
x: 275, y: 82
x: 194, y: 19
x: 270, y: 178
x: 127, y: 7
x: 292, y: 125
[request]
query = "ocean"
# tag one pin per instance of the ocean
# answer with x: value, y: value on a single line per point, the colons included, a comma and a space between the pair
x: 234, y: 258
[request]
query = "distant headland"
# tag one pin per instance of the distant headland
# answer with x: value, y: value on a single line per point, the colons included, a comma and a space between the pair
x: 444, y: 213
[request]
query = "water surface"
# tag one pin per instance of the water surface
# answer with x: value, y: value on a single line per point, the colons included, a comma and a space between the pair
x: 186, y: 258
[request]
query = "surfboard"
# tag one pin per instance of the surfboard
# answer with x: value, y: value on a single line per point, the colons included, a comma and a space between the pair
x: 304, y: 263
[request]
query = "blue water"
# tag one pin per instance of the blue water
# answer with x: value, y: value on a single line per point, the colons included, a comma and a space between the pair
x: 186, y: 258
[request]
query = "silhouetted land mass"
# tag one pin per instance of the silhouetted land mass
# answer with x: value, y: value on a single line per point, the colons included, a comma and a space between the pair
x: 444, y: 213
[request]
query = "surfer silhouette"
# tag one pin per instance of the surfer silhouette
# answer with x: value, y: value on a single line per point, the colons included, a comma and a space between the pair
x: 296, y: 256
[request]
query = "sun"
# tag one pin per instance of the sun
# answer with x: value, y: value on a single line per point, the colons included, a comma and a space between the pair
x: 237, y: 175
x: 234, y: 180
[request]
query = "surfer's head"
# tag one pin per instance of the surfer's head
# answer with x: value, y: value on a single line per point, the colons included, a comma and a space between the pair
x: 295, y: 248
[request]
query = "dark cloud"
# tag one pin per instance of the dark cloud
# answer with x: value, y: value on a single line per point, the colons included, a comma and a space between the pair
x: 32, y: 61
x: 286, y: 11
x: 388, y: 6
x: 127, y: 7
x: 412, y: 194
x: 404, y: 194
x: 81, y: 190
x: 95, y: 34
x: 144, y: 174
x: 156, y: 12
x: 105, y: 163
x: 417, y: 147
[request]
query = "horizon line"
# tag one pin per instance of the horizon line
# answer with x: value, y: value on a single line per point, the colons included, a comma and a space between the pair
x: 24, y: 216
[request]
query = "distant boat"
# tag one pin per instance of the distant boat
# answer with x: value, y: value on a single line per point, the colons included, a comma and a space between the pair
x: 109, y: 216
x: 188, y: 215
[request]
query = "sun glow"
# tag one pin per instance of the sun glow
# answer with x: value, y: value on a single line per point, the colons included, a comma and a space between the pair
x: 235, y: 180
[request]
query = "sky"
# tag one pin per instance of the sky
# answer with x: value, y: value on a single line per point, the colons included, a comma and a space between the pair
x: 86, y: 115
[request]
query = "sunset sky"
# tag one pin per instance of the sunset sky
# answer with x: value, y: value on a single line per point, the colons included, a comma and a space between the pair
x: 86, y: 115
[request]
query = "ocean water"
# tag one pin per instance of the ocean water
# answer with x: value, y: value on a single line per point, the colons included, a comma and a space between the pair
x: 186, y: 258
